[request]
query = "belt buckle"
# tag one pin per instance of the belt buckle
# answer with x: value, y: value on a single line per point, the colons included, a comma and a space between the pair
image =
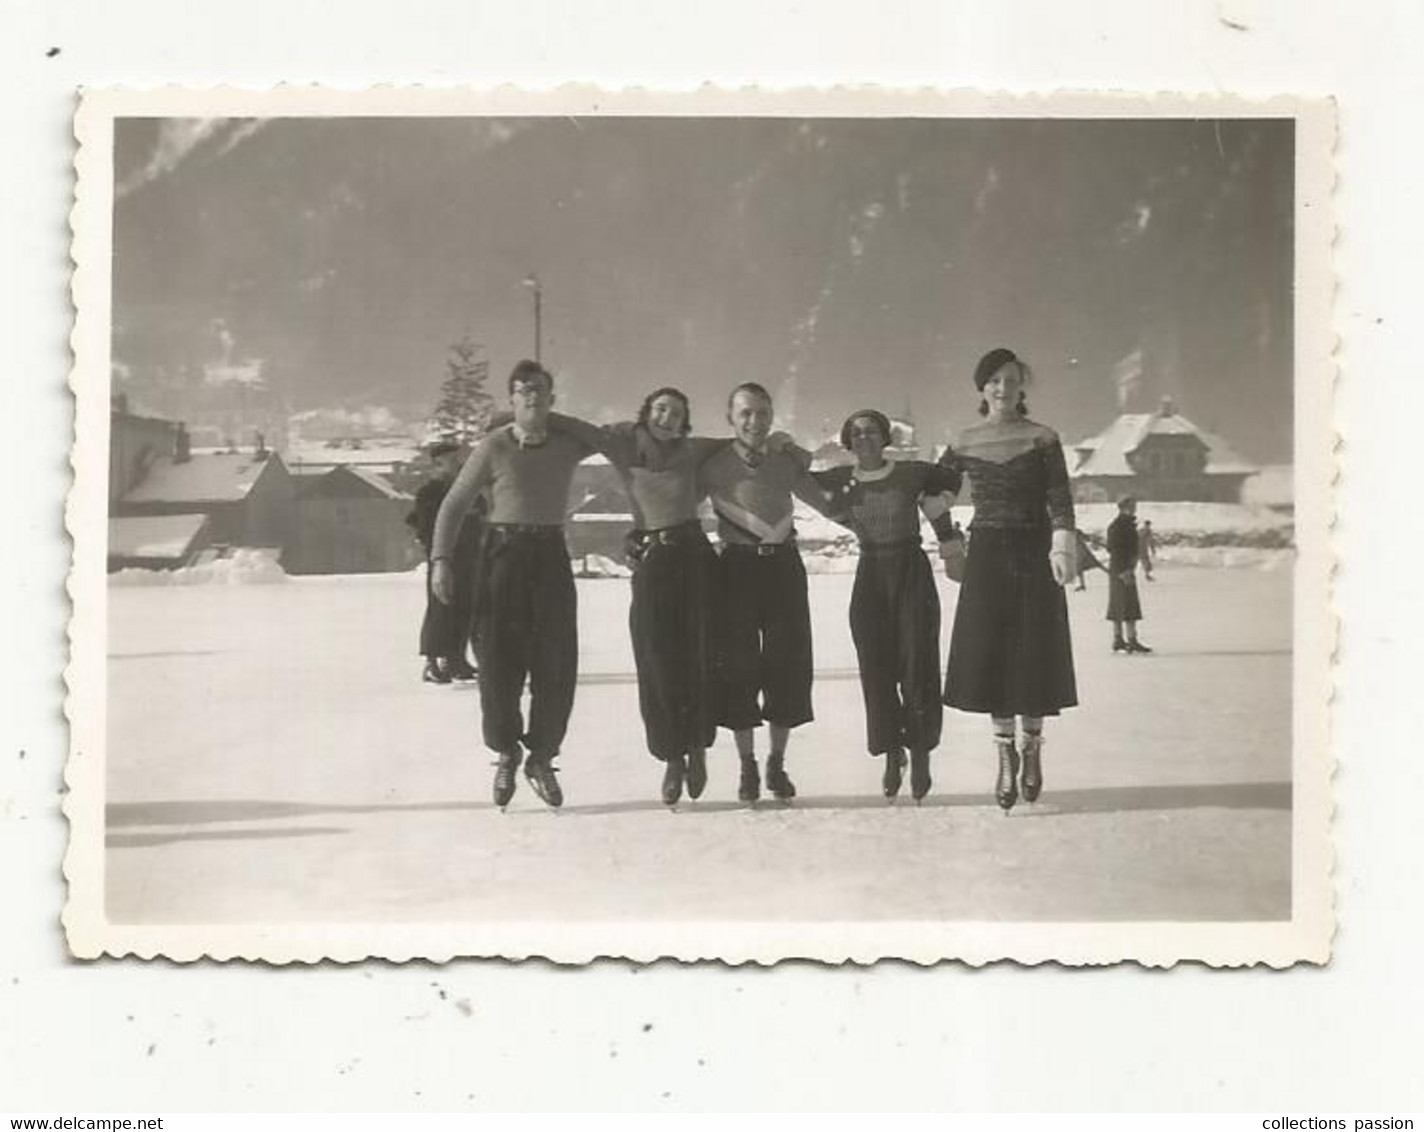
x: 765, y: 549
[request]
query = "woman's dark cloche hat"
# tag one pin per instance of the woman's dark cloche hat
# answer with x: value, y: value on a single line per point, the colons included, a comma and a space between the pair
x: 990, y: 364
x: 881, y: 420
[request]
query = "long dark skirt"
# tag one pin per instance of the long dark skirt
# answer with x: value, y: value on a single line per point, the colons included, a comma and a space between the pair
x: 894, y: 620
x: 1123, y: 603
x: 1010, y: 652
x: 670, y: 620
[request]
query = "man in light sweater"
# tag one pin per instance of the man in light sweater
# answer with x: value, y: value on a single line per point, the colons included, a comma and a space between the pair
x: 765, y: 617
x: 528, y: 611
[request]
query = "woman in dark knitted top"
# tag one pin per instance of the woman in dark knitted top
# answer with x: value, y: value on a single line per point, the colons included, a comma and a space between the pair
x: 1010, y: 653
x: 894, y: 607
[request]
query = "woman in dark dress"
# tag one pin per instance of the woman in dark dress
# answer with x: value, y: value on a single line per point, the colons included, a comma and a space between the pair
x: 894, y: 607
x: 1010, y: 653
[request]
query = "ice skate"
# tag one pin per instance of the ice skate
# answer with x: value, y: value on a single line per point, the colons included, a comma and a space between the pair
x: 435, y: 672
x: 894, y: 774
x: 1006, y: 791
x: 1137, y: 647
x: 749, y: 787
x: 506, y: 776
x: 1032, y: 781
x: 540, y: 771
x: 673, y: 777
x: 777, y: 780
x: 920, y: 782
x: 696, y: 773
x: 461, y: 669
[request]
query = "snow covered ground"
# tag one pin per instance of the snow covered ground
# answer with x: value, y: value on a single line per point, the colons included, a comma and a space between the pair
x: 273, y: 756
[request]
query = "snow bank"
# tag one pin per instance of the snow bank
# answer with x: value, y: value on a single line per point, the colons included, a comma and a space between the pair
x: 599, y: 566
x: 245, y: 566
x: 1197, y: 524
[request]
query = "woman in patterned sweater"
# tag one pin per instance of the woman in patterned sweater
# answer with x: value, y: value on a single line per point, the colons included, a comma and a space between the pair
x: 1010, y: 653
x: 894, y: 607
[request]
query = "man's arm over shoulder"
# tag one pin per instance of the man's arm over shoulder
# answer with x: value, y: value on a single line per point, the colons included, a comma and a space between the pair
x: 474, y: 477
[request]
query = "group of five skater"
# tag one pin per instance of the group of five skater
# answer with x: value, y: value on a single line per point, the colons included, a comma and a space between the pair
x: 722, y: 637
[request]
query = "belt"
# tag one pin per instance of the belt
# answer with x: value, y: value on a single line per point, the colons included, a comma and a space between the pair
x: 690, y: 531
x: 901, y: 546
x: 527, y: 530
x: 760, y: 549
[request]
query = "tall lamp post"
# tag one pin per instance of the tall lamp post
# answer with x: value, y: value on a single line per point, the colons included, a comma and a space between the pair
x: 532, y: 282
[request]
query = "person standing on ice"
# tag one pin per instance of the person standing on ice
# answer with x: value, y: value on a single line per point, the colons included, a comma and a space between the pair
x: 894, y: 605
x: 445, y: 632
x: 1124, y: 606
x: 763, y: 613
x: 1147, y: 548
x: 1010, y: 652
x: 670, y: 617
x: 528, y: 602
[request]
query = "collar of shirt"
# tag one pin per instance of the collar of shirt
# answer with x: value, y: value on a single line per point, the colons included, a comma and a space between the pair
x: 751, y: 457
x: 861, y: 475
x: 526, y: 439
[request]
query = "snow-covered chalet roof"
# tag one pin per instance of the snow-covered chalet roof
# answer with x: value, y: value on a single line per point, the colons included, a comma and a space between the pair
x: 1106, y: 454
x: 206, y: 478
x: 154, y: 536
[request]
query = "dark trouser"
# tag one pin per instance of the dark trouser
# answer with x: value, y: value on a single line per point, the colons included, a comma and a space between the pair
x: 528, y: 629
x: 894, y: 620
x: 765, y: 627
x: 670, y: 620
x: 447, y: 628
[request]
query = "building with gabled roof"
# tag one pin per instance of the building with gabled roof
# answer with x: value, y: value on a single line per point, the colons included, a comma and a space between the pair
x: 248, y: 497
x: 156, y: 542
x: 1156, y: 456
x: 350, y: 520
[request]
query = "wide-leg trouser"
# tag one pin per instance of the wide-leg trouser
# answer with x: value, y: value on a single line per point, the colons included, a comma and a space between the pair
x: 528, y: 621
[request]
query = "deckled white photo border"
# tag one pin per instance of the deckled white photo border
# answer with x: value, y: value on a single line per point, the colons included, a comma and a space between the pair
x: 1305, y: 937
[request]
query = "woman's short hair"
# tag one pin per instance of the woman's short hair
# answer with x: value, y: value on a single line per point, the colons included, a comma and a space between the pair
x: 645, y: 411
x: 880, y: 420
x: 990, y: 364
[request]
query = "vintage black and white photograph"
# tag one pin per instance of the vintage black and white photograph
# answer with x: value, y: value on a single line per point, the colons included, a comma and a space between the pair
x: 837, y: 526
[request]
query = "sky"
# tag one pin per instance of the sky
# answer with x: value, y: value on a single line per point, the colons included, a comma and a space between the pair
x: 841, y: 263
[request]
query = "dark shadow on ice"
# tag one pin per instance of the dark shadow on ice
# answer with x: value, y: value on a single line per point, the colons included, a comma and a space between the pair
x: 1119, y: 799
x: 148, y: 840
x: 119, y: 814
x: 1169, y: 652
x: 1092, y: 800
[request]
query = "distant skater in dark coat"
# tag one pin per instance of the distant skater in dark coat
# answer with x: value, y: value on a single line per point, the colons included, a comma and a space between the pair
x: 1124, y: 607
x: 446, y: 629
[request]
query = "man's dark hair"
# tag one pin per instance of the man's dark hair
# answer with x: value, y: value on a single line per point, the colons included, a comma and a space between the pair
x: 748, y: 387
x: 442, y: 448
x: 667, y: 391
x: 526, y: 371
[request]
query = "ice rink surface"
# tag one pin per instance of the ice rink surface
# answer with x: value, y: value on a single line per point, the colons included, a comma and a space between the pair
x: 274, y: 757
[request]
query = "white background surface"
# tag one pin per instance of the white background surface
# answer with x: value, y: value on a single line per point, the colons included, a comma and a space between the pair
x: 155, y: 1037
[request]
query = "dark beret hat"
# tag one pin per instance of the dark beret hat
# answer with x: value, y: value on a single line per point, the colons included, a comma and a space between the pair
x: 990, y: 364
x: 881, y: 420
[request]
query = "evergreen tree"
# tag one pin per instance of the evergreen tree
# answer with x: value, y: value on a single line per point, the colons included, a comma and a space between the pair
x: 465, y: 407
